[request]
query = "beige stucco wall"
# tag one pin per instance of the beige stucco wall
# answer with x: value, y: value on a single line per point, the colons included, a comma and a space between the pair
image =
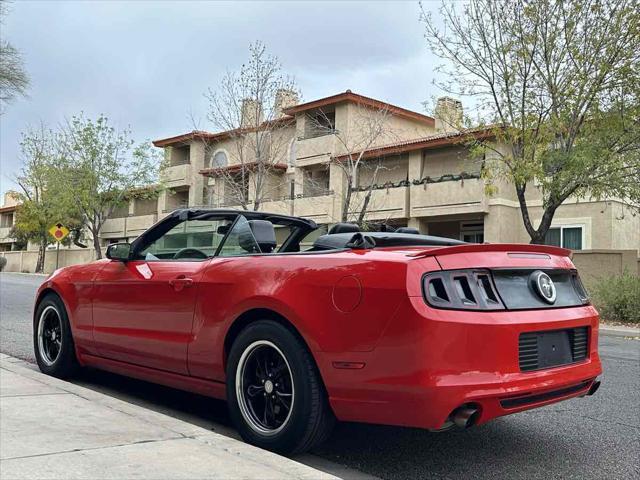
x: 594, y: 265
x: 25, y: 261
x: 450, y: 160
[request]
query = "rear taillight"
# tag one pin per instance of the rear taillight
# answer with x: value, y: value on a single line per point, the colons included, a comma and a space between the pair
x: 579, y: 288
x: 461, y: 290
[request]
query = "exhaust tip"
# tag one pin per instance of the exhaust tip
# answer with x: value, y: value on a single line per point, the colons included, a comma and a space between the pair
x: 594, y: 387
x: 465, y: 417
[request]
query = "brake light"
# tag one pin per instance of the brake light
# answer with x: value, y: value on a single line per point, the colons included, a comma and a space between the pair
x: 579, y: 288
x: 461, y: 290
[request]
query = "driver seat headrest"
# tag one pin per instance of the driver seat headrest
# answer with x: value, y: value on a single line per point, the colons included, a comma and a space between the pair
x: 264, y: 234
x: 344, y: 228
x: 412, y: 230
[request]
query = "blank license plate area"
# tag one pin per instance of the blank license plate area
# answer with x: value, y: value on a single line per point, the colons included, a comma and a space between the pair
x: 554, y: 348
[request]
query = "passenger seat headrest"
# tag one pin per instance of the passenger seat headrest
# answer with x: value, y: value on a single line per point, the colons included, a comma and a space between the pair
x: 264, y: 234
x: 411, y: 230
x: 344, y: 228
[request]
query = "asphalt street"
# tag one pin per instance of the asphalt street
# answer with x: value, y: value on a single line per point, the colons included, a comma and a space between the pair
x: 592, y: 438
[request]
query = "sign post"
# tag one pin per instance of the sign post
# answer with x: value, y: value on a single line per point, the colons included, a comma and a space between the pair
x: 59, y: 232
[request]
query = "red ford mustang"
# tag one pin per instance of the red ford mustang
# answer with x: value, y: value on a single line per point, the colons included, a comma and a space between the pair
x: 296, y: 329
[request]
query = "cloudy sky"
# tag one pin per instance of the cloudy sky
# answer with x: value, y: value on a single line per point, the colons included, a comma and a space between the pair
x: 146, y: 64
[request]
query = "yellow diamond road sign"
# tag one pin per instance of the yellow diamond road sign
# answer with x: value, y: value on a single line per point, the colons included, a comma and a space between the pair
x: 59, y: 232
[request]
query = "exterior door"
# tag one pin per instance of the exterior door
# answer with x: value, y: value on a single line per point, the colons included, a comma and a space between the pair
x: 143, y: 309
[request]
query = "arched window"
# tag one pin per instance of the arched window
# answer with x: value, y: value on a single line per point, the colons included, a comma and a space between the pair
x: 292, y: 153
x: 219, y: 159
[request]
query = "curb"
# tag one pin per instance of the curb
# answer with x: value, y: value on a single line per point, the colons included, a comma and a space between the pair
x: 618, y: 331
x: 247, y: 454
x: 28, y: 273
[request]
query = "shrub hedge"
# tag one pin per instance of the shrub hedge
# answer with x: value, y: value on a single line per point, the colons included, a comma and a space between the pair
x: 618, y: 298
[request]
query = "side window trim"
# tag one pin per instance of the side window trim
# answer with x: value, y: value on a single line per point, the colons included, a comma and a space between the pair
x: 226, y: 236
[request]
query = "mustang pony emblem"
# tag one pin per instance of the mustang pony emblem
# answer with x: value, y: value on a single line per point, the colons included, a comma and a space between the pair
x: 544, y: 286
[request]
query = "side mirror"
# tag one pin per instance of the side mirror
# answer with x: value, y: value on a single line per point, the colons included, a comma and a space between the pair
x: 119, y: 251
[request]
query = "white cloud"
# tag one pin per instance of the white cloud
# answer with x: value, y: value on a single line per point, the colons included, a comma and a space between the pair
x: 148, y: 64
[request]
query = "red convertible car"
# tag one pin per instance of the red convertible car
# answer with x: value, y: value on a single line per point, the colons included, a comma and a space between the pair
x: 297, y: 329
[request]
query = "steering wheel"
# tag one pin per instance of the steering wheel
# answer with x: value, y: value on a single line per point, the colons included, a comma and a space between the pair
x: 190, y: 252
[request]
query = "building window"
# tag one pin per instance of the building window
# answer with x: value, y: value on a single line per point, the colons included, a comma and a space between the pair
x: 6, y: 220
x: 566, y: 237
x: 219, y: 159
x: 472, y: 232
x: 320, y: 123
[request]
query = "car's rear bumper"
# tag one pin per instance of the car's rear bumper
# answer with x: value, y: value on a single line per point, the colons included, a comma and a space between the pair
x: 430, y: 362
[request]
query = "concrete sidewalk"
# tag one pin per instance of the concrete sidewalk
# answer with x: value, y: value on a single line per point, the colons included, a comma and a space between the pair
x: 53, y: 429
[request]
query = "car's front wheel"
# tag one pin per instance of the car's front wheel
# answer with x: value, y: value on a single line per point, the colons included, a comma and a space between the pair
x: 276, y: 397
x: 52, y: 339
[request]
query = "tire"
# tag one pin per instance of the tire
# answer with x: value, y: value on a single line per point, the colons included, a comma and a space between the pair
x: 51, y: 317
x: 309, y: 419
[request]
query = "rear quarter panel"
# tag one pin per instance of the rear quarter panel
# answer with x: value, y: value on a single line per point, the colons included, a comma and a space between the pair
x: 339, y: 302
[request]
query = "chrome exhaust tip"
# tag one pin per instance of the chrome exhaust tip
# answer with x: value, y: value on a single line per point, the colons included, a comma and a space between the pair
x: 594, y: 387
x: 465, y: 417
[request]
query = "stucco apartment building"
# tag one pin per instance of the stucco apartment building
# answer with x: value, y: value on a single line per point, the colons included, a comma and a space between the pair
x: 7, y: 220
x: 429, y: 180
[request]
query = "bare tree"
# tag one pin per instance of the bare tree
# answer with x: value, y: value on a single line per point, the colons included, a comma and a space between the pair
x: 559, y: 82
x: 369, y: 128
x: 13, y: 77
x: 247, y: 106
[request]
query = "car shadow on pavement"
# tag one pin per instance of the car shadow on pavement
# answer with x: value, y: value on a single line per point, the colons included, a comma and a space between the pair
x: 514, y: 447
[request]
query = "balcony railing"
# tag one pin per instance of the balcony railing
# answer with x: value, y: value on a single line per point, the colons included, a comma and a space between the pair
x: 447, y: 195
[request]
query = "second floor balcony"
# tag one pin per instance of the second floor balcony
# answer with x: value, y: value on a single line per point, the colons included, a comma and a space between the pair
x: 177, y: 175
x: 449, y: 195
x: 125, y: 227
x: 384, y: 203
x: 313, y: 150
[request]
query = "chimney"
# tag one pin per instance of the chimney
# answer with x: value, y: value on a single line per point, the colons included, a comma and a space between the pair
x: 284, y: 99
x: 251, y: 115
x: 11, y: 198
x: 448, y: 115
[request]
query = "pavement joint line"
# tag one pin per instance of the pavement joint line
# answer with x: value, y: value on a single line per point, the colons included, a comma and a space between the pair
x: 103, y: 447
x: 35, y: 394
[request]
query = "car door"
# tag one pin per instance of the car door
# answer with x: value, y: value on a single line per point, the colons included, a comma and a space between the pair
x: 143, y: 308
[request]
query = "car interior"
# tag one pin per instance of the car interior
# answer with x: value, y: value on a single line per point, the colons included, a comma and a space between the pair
x: 199, y: 235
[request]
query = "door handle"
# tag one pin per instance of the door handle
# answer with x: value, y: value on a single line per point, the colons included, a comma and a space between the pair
x: 180, y: 282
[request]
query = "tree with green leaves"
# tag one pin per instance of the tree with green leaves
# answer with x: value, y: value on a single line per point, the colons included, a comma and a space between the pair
x: 13, y: 77
x: 558, y: 82
x: 44, y: 199
x: 102, y: 166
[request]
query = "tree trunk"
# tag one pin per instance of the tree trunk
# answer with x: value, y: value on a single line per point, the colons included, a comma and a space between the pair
x: 96, y: 244
x: 543, y: 228
x: 365, y: 206
x: 42, y: 249
x: 347, y: 201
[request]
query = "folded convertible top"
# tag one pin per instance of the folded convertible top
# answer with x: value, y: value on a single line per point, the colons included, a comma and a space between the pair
x: 380, y: 239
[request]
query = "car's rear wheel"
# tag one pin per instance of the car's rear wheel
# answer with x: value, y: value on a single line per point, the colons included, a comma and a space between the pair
x: 52, y: 338
x: 276, y: 397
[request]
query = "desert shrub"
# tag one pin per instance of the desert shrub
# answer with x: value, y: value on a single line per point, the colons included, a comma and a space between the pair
x: 618, y: 298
